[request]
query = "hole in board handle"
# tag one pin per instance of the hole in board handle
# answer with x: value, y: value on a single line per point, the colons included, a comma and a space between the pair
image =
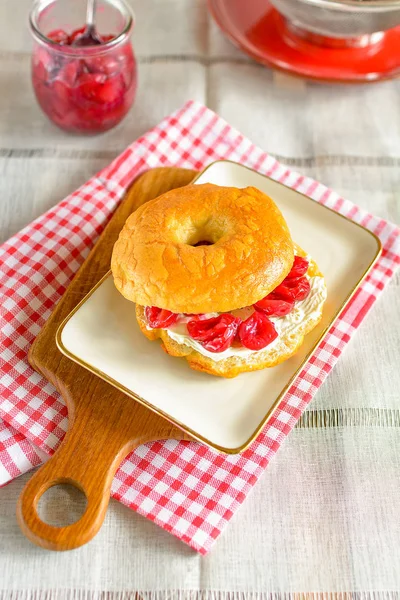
x: 62, y: 504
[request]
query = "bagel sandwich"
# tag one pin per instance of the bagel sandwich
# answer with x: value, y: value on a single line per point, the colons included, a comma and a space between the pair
x: 216, y: 277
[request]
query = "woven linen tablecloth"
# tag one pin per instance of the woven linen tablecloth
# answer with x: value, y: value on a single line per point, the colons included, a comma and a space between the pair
x: 325, y: 515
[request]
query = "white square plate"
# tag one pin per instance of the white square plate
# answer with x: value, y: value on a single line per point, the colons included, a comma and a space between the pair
x: 102, y: 334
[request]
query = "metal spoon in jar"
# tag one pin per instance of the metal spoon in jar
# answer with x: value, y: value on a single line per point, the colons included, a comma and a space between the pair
x: 89, y: 37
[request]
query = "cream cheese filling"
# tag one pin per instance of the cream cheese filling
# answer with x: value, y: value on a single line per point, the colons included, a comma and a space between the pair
x: 287, y: 327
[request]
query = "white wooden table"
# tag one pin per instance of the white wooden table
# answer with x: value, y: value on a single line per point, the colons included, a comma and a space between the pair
x: 325, y: 516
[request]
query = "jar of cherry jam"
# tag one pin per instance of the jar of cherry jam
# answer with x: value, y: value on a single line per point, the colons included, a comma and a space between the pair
x: 83, y: 89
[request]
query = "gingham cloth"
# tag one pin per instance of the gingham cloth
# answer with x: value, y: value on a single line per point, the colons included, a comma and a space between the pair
x: 186, y: 488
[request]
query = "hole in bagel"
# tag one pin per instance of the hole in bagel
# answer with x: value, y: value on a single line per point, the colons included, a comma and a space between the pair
x: 197, y: 232
x: 202, y: 237
x: 202, y: 243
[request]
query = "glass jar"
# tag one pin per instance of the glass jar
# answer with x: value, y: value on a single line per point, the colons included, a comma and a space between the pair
x: 88, y: 89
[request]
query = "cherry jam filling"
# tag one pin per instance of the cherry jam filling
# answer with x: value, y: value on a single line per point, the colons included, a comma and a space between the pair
x: 87, y: 93
x: 159, y: 318
x: 215, y: 334
x: 257, y: 331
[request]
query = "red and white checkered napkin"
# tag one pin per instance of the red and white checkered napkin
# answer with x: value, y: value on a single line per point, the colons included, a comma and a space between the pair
x: 185, y: 488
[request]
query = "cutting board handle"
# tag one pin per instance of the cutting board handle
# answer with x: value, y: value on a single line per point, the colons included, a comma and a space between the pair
x: 103, y: 429
x: 87, y: 464
x: 88, y: 470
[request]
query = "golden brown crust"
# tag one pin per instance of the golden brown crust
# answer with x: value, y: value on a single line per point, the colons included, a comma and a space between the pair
x: 234, y: 365
x: 155, y: 263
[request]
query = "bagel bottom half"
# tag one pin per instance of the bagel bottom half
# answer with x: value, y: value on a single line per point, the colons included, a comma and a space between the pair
x: 234, y: 365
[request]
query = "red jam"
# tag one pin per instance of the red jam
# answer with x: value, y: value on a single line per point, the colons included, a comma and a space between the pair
x: 88, y: 92
x: 293, y: 289
x: 274, y: 307
x: 257, y: 331
x: 159, y: 318
x: 300, y: 267
x: 215, y: 334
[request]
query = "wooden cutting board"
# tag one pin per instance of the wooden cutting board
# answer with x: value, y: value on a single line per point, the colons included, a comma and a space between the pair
x: 104, y: 424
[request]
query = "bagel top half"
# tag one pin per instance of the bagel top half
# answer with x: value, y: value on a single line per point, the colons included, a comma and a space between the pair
x: 156, y: 261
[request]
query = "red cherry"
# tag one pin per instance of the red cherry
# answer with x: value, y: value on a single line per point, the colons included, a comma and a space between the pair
x: 257, y: 331
x: 295, y: 289
x: 75, y: 34
x: 274, y: 307
x: 215, y: 334
x: 112, y: 90
x: 59, y: 36
x: 299, y: 268
x: 159, y: 317
x: 88, y: 86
